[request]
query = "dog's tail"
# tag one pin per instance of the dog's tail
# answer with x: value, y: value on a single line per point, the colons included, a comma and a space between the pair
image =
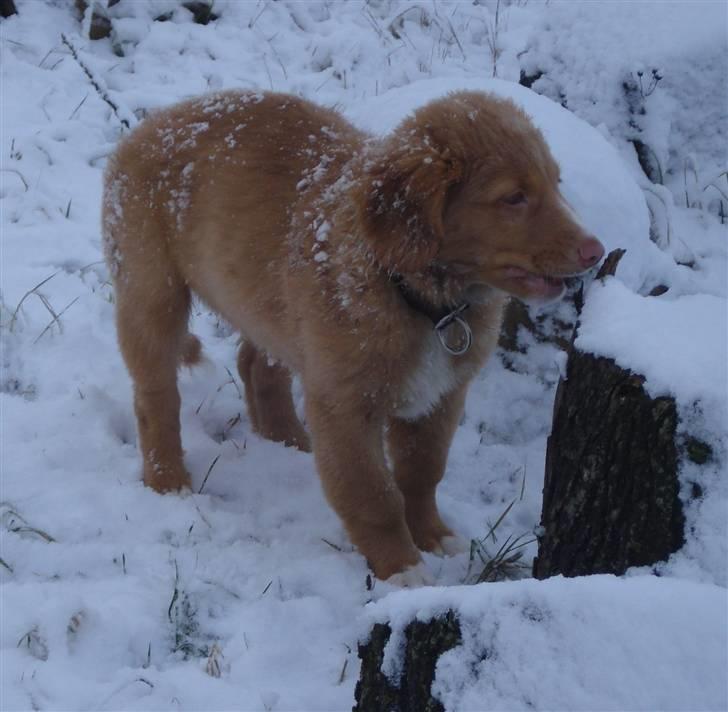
x: 191, y: 353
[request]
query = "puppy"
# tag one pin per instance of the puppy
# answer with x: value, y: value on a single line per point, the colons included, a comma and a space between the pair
x: 376, y: 269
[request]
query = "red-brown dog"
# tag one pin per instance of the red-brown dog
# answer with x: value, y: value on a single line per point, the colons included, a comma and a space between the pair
x: 346, y: 259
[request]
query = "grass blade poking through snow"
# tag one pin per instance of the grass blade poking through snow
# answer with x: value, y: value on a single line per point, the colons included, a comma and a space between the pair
x: 182, y: 615
x: 506, y: 563
x: 14, y: 522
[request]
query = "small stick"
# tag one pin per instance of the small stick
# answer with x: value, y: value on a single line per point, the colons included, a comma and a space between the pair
x: 609, y: 266
x: 96, y: 83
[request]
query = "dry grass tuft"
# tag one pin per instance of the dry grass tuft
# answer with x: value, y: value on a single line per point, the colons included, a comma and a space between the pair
x: 506, y: 563
x: 14, y: 522
x: 35, y: 643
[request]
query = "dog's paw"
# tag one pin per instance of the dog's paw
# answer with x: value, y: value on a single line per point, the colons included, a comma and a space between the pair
x: 168, y: 481
x: 451, y: 546
x: 413, y: 577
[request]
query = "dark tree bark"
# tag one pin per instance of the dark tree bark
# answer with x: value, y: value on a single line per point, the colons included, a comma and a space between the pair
x: 424, y: 643
x: 201, y: 11
x: 544, y: 327
x: 611, y: 489
x: 100, y: 23
x: 7, y: 8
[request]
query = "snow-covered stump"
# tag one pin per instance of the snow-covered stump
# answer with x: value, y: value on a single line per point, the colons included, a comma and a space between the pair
x: 424, y: 643
x: 7, y: 8
x: 611, y: 487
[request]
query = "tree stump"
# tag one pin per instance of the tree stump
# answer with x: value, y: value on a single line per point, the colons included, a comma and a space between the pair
x: 7, y: 8
x: 100, y: 23
x: 611, y: 489
x: 424, y: 642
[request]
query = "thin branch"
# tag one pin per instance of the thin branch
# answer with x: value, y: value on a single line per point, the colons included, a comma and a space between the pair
x: 96, y: 83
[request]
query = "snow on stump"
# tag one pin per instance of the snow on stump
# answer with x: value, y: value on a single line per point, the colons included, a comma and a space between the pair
x: 611, y: 488
x: 584, y: 643
x: 424, y: 643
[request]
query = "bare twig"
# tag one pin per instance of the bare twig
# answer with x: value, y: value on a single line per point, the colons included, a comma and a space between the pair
x: 609, y: 266
x: 96, y: 83
x: 331, y: 544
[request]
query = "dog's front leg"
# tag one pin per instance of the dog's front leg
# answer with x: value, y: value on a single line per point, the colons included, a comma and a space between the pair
x: 419, y: 450
x: 348, y: 447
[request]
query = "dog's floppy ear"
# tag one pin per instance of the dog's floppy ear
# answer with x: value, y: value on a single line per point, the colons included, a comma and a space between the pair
x: 405, y: 188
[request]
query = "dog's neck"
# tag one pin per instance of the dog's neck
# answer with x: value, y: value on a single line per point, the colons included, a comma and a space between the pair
x: 434, y: 291
x: 432, y: 302
x: 445, y: 314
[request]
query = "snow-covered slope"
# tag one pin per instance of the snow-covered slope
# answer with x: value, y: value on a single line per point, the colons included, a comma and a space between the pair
x: 116, y: 598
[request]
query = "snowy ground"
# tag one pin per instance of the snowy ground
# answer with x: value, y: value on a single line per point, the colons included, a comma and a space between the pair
x: 249, y: 596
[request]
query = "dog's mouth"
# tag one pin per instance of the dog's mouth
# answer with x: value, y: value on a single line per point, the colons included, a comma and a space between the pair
x: 536, y: 286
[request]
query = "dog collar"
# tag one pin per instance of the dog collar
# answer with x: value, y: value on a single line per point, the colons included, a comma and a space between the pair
x: 441, y: 317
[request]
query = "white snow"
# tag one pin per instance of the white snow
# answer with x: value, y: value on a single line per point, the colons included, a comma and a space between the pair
x: 679, y: 344
x: 579, y: 644
x: 263, y: 571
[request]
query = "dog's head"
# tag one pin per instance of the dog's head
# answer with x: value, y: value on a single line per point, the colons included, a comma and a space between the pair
x: 467, y: 184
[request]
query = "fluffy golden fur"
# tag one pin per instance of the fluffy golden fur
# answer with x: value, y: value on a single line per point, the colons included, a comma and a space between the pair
x: 301, y: 231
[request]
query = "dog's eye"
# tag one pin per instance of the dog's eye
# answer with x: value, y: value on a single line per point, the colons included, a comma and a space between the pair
x: 517, y: 198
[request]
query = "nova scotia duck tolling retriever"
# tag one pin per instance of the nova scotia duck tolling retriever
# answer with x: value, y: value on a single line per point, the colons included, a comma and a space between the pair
x: 375, y: 268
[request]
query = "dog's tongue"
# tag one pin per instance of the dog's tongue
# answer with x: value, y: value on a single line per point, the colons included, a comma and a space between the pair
x: 543, y: 286
x: 537, y: 285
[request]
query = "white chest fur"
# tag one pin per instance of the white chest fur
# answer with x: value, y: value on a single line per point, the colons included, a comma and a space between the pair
x: 433, y: 376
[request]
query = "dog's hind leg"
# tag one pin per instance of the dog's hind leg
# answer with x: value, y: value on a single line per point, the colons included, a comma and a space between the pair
x: 152, y: 306
x: 270, y: 404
